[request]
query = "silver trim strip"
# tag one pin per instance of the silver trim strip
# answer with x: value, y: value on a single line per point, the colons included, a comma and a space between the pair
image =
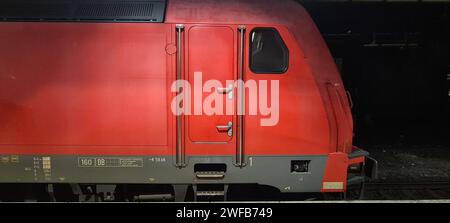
x: 240, y: 159
x: 179, y: 145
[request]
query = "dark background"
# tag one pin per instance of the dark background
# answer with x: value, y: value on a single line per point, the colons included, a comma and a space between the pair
x: 395, y: 61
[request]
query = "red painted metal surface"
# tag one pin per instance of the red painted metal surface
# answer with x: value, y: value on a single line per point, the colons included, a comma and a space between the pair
x: 307, y: 82
x: 84, y: 88
x: 336, y: 172
x: 303, y: 122
x: 211, y: 52
x: 99, y: 88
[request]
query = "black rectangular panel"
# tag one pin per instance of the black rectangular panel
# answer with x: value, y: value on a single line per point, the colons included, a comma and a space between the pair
x: 83, y: 10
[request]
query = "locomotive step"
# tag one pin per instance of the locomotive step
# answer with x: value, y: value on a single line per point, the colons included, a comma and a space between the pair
x: 210, y: 174
x: 210, y: 193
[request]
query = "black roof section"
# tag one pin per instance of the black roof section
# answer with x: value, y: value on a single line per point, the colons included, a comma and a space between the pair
x: 83, y: 10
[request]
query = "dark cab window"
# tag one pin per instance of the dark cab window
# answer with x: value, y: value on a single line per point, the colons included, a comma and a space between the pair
x: 268, y: 53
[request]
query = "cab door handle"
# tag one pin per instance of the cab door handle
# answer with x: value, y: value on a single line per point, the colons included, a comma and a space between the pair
x: 228, y: 91
x: 228, y: 128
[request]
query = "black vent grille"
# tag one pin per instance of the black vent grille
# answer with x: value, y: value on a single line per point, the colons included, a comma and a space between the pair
x: 115, y: 10
x: 83, y: 10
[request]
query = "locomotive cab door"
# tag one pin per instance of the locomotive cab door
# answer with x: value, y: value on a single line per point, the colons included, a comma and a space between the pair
x: 210, y: 67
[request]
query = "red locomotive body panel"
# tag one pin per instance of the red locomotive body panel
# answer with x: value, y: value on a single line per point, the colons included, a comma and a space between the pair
x: 86, y: 92
x: 85, y: 89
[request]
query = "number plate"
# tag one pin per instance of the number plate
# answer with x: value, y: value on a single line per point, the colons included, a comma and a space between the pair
x: 110, y: 162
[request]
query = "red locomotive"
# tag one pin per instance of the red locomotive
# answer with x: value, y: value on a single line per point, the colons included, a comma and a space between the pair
x: 87, y: 97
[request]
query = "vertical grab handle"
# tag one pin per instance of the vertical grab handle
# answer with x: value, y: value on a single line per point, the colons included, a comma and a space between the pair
x: 179, y: 143
x: 240, y: 159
